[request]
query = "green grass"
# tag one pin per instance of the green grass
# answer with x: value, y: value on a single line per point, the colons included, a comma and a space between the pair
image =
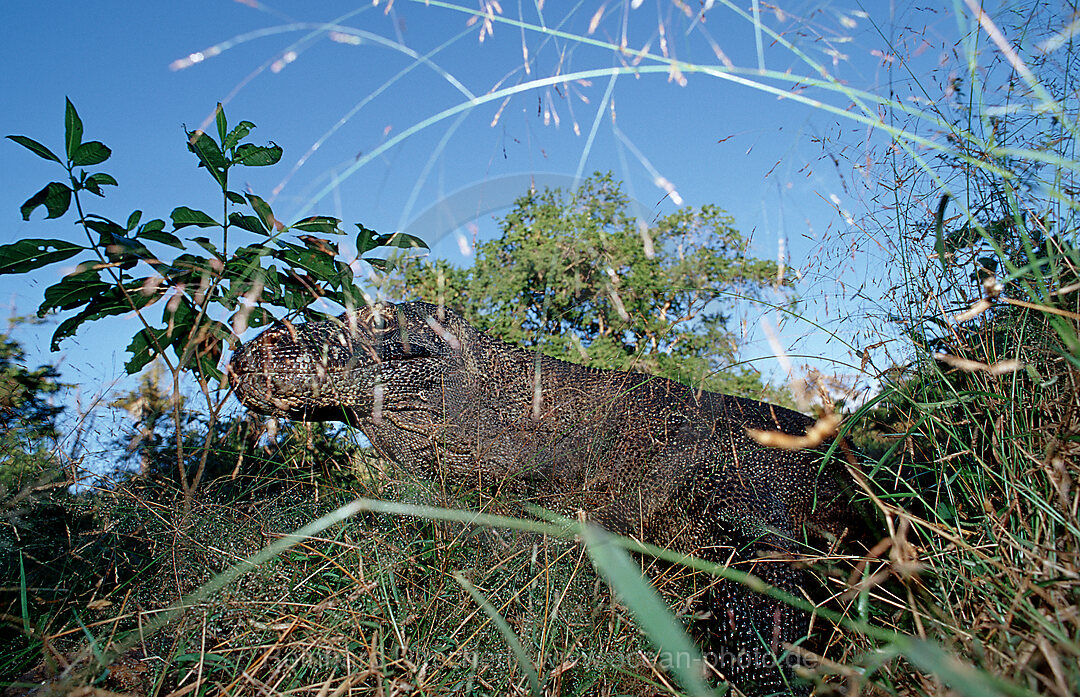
x: 370, y: 602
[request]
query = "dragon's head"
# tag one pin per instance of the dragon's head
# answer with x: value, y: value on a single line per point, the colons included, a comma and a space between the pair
x: 339, y: 369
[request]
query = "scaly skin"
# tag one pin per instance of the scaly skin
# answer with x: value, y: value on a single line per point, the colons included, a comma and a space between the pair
x: 644, y: 456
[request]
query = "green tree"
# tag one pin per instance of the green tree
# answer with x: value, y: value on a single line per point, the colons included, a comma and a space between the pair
x: 27, y: 417
x: 574, y: 276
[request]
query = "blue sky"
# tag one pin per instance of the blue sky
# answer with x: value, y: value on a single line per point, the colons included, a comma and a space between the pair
x: 298, y: 69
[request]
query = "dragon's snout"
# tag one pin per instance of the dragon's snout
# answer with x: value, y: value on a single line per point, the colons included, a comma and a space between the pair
x: 263, y: 372
x: 311, y: 371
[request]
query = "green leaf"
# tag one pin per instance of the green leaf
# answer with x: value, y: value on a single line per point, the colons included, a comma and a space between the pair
x: 103, y: 226
x: 208, y: 361
x: 263, y: 210
x: 222, y: 124
x: 238, y: 133
x: 182, y: 269
x: 181, y: 321
x: 207, y: 149
x: 119, y: 248
x: 319, y: 245
x: 401, y: 239
x: 94, y: 182
x: 318, y: 223
x: 73, y: 130
x: 206, y: 244
x: 243, y: 268
x: 111, y: 302
x: 271, y: 279
x: 259, y: 317
x: 27, y: 255
x: 290, y: 292
x: 235, y: 198
x: 133, y: 220
x: 151, y: 226
x: 258, y: 155
x: 348, y: 296
x: 144, y: 347
x: 72, y: 291
x: 366, y: 239
x: 210, y: 156
x: 126, y: 251
x: 160, y: 236
x: 183, y: 217
x: 35, y: 147
x: 56, y: 198
x: 93, y: 153
x: 320, y: 265
x: 248, y: 222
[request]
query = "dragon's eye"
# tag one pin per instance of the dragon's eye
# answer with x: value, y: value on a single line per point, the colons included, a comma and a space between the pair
x: 378, y: 319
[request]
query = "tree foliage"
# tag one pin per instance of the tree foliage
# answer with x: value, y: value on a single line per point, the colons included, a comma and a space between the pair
x: 574, y: 276
x: 27, y: 417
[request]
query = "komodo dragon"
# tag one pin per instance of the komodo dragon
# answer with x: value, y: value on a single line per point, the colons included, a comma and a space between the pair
x: 642, y: 455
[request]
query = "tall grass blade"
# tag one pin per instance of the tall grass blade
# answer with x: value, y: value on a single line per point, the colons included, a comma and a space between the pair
x: 650, y: 612
x: 508, y: 635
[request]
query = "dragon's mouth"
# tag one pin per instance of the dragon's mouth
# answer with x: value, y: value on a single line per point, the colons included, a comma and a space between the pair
x: 272, y: 393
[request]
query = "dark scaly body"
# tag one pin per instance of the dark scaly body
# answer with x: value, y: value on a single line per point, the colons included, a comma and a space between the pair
x: 644, y: 456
